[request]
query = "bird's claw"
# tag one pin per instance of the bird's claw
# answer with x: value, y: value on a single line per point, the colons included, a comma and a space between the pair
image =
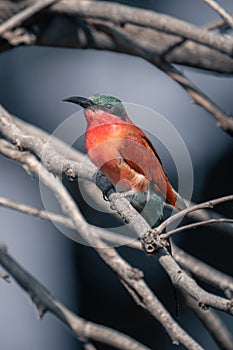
x: 105, y: 192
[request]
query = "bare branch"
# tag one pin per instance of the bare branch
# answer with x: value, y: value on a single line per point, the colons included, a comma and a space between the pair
x: 59, y: 165
x: 26, y: 209
x: 187, y: 285
x: 203, y: 271
x: 207, y: 204
x: 224, y: 121
x: 220, y: 10
x: 108, y: 236
x: 195, y: 225
x: 217, y: 25
x: 213, y: 324
x: 44, y: 302
x: 21, y: 16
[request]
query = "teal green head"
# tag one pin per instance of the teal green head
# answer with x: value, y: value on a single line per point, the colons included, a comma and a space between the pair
x: 109, y: 104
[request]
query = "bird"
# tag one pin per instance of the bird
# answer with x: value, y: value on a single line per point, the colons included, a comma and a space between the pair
x: 125, y: 155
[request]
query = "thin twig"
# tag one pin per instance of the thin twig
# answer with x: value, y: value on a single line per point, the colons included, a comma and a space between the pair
x: 217, y: 25
x: 24, y: 15
x: 221, y: 11
x: 213, y: 324
x: 44, y: 302
x: 194, y: 225
x: 208, y: 204
x: 199, y: 97
x: 42, y: 214
x: 108, y: 236
x: 203, y: 271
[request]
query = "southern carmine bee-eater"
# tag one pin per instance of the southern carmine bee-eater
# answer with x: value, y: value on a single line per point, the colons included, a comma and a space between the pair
x: 125, y: 155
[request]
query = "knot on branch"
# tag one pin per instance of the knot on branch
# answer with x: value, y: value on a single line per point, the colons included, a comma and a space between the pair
x: 151, y: 241
x: 135, y: 274
x: 17, y: 142
x: 20, y: 36
x: 70, y: 173
x: 203, y: 306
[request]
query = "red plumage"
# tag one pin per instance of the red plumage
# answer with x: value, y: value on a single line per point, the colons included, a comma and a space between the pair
x: 125, y: 155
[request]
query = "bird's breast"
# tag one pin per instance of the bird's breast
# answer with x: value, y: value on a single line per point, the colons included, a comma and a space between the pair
x: 103, y: 142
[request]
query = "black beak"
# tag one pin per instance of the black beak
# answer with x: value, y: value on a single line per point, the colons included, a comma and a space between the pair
x: 81, y: 101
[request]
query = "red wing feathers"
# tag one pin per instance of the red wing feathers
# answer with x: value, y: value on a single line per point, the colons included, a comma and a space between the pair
x: 139, y: 153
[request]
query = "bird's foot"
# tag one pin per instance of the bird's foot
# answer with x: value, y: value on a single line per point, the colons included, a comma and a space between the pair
x: 105, y: 192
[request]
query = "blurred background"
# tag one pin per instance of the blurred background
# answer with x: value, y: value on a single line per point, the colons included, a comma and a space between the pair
x: 34, y: 81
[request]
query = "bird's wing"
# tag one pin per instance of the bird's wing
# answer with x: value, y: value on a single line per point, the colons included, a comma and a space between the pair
x: 139, y: 153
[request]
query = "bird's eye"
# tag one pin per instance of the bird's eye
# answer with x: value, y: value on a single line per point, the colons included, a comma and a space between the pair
x: 109, y: 105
